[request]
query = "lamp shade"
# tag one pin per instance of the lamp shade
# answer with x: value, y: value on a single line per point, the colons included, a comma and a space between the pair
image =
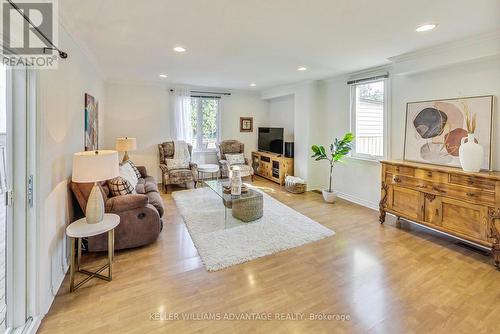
x: 95, y: 166
x: 125, y: 144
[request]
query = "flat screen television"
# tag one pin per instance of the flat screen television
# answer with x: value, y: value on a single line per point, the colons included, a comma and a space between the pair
x: 271, y: 140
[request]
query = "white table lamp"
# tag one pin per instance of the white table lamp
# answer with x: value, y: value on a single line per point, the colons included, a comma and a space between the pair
x: 126, y: 144
x: 95, y: 166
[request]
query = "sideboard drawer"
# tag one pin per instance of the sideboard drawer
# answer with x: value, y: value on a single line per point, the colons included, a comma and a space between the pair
x: 402, y: 170
x: 407, y: 182
x: 473, y: 195
x: 472, y: 181
x: 431, y: 175
x: 444, y: 189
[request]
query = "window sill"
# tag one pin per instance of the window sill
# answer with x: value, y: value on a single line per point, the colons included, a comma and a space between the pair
x: 373, y: 160
x: 205, y: 151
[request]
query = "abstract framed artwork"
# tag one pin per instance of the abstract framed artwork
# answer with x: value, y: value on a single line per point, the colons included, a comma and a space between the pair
x: 434, y: 129
x: 246, y: 124
x: 91, y: 123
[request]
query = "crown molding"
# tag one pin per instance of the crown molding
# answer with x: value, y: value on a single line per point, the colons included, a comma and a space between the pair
x: 367, y: 72
x: 120, y: 81
x: 447, y: 54
x: 469, y: 49
x: 170, y: 85
x: 287, y: 89
x: 469, y: 42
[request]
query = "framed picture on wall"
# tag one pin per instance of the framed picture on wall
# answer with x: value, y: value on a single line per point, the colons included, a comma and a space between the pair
x: 246, y: 124
x: 91, y: 123
x: 435, y: 128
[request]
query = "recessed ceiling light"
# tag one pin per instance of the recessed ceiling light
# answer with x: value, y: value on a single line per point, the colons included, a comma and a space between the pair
x: 302, y: 68
x: 426, y: 27
x: 253, y: 84
x: 179, y: 49
x: 163, y: 75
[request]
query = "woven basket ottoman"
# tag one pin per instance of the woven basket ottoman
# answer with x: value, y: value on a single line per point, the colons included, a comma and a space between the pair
x: 249, y: 208
x: 295, y: 185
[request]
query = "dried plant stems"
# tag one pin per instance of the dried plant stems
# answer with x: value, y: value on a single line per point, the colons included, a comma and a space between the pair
x: 470, y: 119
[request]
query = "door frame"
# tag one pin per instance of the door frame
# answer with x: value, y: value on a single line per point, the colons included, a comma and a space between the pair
x: 21, y: 292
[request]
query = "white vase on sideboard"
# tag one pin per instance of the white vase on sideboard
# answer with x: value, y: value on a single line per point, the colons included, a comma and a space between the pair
x: 471, y: 154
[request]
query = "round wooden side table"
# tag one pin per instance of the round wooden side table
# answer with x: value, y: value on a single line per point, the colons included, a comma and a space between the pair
x: 81, y: 229
x: 208, y: 169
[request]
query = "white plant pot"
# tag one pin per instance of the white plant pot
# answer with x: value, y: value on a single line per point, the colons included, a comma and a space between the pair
x: 471, y: 154
x: 329, y: 197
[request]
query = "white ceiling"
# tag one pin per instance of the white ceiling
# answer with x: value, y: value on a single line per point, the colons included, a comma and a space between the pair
x: 231, y: 43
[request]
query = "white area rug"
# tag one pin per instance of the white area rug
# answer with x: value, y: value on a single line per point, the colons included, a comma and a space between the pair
x: 280, y: 228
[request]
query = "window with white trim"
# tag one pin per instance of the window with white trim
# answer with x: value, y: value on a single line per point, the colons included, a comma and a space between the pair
x: 205, y: 114
x: 368, y: 119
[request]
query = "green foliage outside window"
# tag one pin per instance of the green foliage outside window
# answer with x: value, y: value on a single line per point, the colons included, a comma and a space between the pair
x: 204, y: 120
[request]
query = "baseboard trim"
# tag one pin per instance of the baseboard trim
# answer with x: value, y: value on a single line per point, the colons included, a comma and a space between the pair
x: 353, y: 199
x: 31, y: 326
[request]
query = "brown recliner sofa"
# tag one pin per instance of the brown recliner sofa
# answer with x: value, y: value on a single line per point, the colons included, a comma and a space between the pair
x: 140, y: 214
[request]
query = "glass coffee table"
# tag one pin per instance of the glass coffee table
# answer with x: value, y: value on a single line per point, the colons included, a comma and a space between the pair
x: 238, y: 210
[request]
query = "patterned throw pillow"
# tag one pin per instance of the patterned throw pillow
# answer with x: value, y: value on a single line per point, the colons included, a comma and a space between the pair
x: 134, y: 167
x: 177, y: 163
x: 120, y: 186
x: 127, y: 172
x: 235, y: 159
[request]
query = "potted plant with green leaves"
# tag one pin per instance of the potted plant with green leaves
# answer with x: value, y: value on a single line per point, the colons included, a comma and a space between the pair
x: 338, y: 150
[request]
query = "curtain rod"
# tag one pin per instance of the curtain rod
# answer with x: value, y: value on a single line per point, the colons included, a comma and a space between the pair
x: 202, y: 92
x: 207, y: 96
x: 384, y: 76
x: 214, y: 93
x: 62, y: 54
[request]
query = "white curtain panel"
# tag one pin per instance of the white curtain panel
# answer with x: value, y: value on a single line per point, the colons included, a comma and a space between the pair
x: 181, y: 107
x: 219, y: 119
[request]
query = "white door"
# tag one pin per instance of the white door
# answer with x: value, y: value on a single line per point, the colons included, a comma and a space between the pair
x: 3, y: 194
x: 14, y: 200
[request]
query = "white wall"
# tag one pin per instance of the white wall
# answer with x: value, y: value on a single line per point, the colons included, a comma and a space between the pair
x: 143, y: 111
x: 281, y: 113
x: 60, y: 118
x: 353, y: 179
x: 359, y: 180
x: 242, y: 104
x: 307, y: 125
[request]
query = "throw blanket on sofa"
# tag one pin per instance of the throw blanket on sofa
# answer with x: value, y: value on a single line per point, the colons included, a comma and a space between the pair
x: 181, y: 156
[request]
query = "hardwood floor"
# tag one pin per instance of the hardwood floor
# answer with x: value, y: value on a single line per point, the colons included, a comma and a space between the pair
x: 388, y: 279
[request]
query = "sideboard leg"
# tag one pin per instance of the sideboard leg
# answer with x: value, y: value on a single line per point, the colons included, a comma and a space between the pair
x: 383, y: 201
x: 494, y: 217
x: 381, y: 218
x: 495, y: 251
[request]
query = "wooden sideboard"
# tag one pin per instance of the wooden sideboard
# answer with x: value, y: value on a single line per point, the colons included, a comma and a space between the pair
x: 464, y: 205
x: 272, y: 166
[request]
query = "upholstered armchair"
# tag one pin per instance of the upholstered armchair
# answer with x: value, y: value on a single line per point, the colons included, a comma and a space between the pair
x: 232, y: 147
x: 176, y: 176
